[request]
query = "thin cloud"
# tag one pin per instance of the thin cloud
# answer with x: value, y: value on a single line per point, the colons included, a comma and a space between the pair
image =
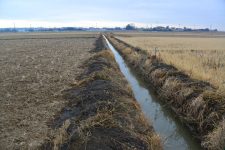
x: 186, y: 12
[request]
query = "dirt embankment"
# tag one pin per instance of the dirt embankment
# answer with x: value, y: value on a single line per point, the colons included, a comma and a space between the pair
x: 198, y: 105
x: 102, y: 112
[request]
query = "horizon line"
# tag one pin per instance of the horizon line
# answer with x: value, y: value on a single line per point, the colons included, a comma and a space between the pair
x: 95, y: 24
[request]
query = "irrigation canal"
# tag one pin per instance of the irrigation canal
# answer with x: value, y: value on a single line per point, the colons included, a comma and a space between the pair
x: 173, y: 134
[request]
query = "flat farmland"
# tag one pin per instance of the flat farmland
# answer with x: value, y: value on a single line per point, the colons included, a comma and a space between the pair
x: 35, y: 69
x: 200, y: 55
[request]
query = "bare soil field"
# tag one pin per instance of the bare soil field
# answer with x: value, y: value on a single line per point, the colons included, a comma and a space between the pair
x: 65, y: 91
x: 200, y: 55
x: 35, y: 69
x: 47, y: 35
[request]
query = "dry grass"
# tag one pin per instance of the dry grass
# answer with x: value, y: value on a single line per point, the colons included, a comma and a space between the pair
x: 216, y: 140
x: 61, y: 135
x: 33, y: 74
x: 195, y: 102
x: 170, y: 34
x: 177, y: 43
x: 201, y: 57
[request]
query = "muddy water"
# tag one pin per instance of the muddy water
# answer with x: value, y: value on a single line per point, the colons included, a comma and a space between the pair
x: 174, y: 135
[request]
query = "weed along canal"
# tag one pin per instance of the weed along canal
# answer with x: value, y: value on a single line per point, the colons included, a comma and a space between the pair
x: 174, y: 135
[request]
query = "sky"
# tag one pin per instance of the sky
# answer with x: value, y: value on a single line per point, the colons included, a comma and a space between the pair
x: 111, y: 13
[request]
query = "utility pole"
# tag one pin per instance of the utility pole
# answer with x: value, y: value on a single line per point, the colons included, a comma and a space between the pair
x: 14, y: 27
x: 156, y: 49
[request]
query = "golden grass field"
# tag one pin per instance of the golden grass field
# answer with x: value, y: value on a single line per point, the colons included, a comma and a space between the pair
x: 200, y: 55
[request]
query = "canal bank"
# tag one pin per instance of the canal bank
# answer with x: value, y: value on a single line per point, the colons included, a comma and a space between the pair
x: 102, y: 112
x: 171, y: 131
x: 196, y: 103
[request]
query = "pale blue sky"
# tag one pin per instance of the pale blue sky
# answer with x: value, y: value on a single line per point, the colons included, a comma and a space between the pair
x: 198, y: 13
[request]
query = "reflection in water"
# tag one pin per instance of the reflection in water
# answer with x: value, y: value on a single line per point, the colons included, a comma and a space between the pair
x: 173, y: 133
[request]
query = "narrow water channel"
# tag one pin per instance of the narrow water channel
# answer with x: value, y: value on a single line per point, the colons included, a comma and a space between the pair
x: 174, y: 135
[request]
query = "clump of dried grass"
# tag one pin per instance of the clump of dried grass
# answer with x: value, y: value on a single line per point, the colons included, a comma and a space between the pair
x: 102, y: 118
x: 216, y: 139
x: 61, y: 135
x: 154, y: 140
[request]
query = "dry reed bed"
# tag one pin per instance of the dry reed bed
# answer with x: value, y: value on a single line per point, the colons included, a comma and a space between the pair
x: 33, y: 74
x: 195, y: 102
x: 103, y: 111
x: 200, y: 57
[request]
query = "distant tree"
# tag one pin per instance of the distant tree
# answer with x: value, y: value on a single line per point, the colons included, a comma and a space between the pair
x: 117, y: 28
x: 130, y: 27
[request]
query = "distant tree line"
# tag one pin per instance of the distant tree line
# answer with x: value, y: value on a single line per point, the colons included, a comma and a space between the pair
x: 129, y: 27
x: 167, y: 29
